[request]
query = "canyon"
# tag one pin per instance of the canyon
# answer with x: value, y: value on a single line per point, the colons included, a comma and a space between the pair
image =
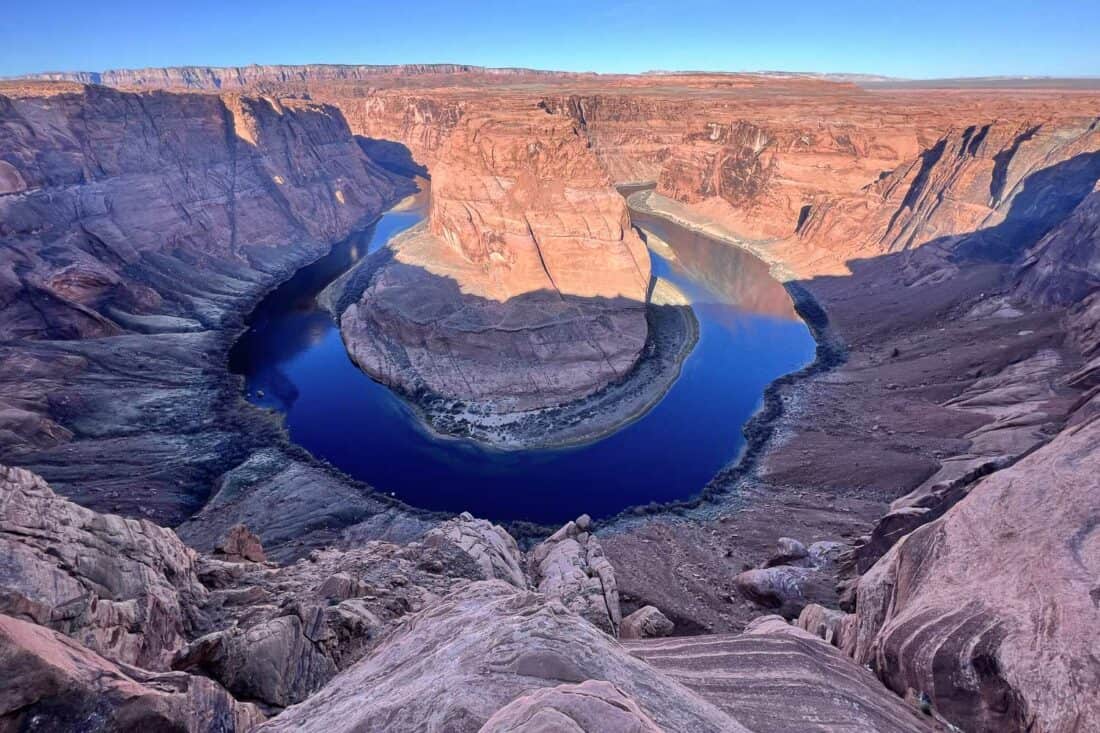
x: 907, y: 542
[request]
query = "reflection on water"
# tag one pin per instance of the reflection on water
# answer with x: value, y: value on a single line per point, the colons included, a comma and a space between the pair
x: 294, y: 361
x: 715, y: 272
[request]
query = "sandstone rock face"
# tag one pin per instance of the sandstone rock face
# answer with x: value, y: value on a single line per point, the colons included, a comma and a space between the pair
x: 281, y: 633
x: 277, y: 494
x: 569, y: 566
x: 1063, y: 268
x: 775, y: 678
x: 124, y: 588
x: 253, y: 75
x: 861, y: 182
x: 52, y: 683
x: 487, y: 645
x: 526, y: 290
x: 1002, y: 592
x: 590, y: 707
x: 1024, y: 403
x: 274, y: 661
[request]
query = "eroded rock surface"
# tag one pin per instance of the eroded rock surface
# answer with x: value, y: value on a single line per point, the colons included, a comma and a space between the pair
x: 283, y: 632
x: 487, y: 645
x: 52, y: 683
x: 124, y: 588
x: 776, y: 678
x: 240, y: 545
x: 494, y: 550
x: 590, y: 707
x: 1001, y: 592
x: 645, y: 623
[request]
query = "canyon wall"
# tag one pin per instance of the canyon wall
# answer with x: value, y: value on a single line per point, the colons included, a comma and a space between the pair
x: 138, y: 230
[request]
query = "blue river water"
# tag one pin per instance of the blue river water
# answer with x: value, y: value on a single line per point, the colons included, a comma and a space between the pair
x: 294, y: 362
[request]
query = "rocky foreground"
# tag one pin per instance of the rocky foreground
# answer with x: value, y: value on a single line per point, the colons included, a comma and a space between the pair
x: 114, y: 624
x: 922, y: 500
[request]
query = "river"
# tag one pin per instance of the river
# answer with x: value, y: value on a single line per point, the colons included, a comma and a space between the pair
x: 294, y: 362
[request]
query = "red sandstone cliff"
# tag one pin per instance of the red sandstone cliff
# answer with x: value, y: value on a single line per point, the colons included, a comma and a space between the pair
x: 526, y: 289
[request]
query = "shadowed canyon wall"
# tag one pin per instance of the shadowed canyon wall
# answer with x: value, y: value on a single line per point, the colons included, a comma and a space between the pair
x: 138, y: 229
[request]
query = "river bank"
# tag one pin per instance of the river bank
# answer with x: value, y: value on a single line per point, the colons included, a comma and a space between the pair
x: 872, y: 420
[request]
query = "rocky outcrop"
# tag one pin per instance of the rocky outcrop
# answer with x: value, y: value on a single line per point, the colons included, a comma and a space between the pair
x: 990, y: 611
x: 488, y: 645
x: 525, y: 291
x: 240, y: 545
x: 792, y: 577
x: 52, y: 683
x: 283, y: 632
x: 124, y: 588
x: 645, y: 623
x: 835, y: 627
x: 569, y: 566
x: 490, y: 546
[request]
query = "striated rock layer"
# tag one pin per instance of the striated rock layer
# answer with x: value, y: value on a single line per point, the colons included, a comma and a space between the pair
x: 991, y: 611
x: 53, y: 683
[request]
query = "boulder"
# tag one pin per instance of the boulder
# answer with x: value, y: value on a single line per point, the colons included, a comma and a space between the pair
x: 645, y: 623
x: 833, y: 626
x: 274, y: 661
x: 240, y: 545
x: 781, y: 587
x: 491, y: 547
x: 788, y: 551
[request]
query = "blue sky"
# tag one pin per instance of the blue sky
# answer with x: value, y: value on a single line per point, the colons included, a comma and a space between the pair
x: 926, y: 38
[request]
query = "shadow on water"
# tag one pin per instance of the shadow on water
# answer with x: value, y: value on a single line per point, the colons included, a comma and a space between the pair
x: 294, y: 361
